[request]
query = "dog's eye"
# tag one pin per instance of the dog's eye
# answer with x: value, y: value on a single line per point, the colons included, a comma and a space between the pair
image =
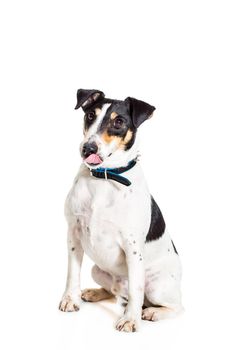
x: 118, y: 122
x: 90, y: 116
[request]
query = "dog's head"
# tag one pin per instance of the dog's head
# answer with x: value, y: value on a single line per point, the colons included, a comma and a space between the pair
x: 110, y: 126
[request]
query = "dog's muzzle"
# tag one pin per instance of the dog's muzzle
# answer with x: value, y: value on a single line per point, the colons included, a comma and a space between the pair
x: 89, y: 153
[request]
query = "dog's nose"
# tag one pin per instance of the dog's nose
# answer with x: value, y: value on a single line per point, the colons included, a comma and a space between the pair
x: 89, y: 148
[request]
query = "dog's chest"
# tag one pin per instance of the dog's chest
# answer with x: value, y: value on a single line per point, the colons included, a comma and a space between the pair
x: 99, y: 211
x: 99, y: 241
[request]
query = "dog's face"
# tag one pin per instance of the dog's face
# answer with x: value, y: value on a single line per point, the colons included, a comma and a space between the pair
x: 110, y: 126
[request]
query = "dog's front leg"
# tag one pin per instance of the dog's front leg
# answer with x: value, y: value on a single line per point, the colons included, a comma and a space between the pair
x: 72, y: 295
x: 136, y: 278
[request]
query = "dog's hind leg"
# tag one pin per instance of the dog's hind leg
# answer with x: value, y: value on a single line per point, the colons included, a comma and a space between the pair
x: 102, y: 278
x: 162, y: 290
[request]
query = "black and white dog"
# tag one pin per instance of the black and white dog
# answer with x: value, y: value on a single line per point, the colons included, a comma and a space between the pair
x: 113, y: 218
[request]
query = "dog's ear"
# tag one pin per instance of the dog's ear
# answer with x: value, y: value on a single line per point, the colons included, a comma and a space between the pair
x: 85, y: 98
x: 139, y: 110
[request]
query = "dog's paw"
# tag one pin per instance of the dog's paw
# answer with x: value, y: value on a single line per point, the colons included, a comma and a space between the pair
x: 95, y: 294
x: 69, y: 304
x: 126, y: 325
x: 150, y: 314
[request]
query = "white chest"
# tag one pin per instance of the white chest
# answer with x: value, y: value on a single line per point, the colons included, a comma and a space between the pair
x: 98, y: 209
x: 99, y: 241
x: 106, y: 211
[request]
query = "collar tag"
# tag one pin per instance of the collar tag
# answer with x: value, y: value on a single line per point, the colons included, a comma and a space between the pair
x: 105, y: 174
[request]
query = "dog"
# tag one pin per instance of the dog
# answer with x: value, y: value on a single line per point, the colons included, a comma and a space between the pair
x: 113, y: 218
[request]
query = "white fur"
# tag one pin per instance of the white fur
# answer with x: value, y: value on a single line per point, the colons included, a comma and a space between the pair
x: 109, y: 222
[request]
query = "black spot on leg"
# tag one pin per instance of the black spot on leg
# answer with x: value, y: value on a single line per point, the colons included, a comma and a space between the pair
x: 134, y: 242
x: 124, y: 304
x: 73, y: 248
x: 134, y: 252
x: 124, y: 298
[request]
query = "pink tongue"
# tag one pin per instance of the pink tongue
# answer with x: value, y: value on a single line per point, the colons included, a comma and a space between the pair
x: 93, y: 159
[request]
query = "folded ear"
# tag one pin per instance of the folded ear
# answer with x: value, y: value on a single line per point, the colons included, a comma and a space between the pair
x: 85, y: 98
x: 139, y: 110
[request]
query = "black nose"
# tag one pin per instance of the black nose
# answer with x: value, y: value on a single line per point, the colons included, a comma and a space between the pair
x: 89, y: 148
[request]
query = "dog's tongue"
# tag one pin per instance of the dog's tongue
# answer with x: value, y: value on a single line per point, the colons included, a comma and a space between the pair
x: 93, y: 159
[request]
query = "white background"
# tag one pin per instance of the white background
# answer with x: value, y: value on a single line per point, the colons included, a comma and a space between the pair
x: 176, y: 55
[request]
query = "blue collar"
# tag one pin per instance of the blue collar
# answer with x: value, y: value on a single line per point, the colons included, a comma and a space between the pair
x: 114, y: 173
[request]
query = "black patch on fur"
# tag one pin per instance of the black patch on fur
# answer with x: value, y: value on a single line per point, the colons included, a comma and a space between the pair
x: 91, y: 109
x: 133, y: 112
x: 122, y: 111
x: 87, y: 122
x: 157, y: 224
x: 88, y: 98
x: 139, y: 110
x: 174, y: 248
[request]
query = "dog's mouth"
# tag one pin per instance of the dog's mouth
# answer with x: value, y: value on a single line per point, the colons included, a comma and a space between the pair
x: 93, y: 159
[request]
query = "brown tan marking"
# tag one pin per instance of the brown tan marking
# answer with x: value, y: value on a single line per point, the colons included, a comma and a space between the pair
x: 119, y: 141
x: 113, y: 115
x: 128, y: 137
x: 109, y: 138
x: 97, y: 111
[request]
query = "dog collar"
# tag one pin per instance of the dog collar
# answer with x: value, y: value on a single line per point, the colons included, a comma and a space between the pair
x: 114, y: 173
